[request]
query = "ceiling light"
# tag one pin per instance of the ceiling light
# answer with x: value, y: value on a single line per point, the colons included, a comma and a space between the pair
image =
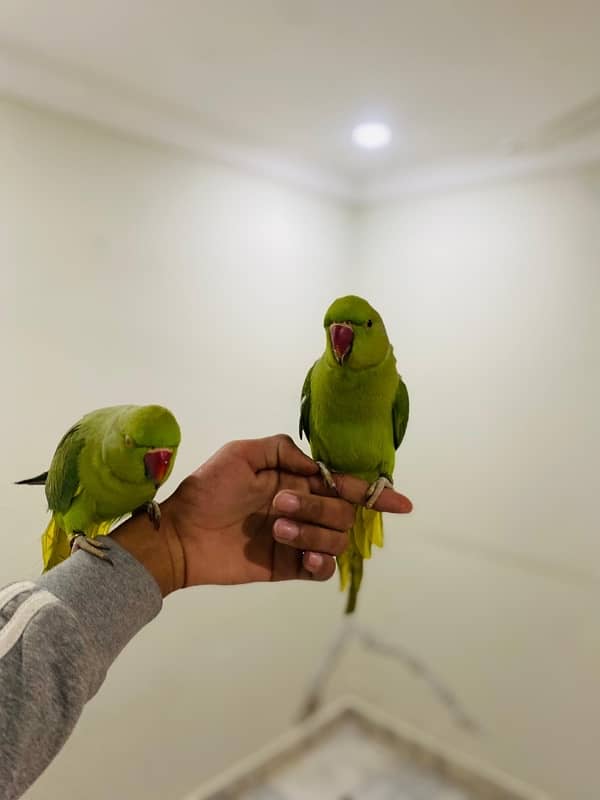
x: 371, y: 135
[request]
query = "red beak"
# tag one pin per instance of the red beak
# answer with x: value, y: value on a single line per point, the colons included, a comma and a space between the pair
x: 342, y: 336
x: 157, y: 463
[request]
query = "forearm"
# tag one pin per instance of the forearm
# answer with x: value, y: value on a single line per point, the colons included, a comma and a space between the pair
x: 58, y: 637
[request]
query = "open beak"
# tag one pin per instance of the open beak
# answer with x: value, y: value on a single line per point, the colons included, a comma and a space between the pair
x: 157, y: 463
x: 342, y: 336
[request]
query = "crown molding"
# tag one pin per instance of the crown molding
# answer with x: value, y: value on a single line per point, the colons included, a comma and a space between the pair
x: 29, y: 77
x: 470, y: 173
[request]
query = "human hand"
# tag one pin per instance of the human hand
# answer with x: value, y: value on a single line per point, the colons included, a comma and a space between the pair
x: 234, y: 514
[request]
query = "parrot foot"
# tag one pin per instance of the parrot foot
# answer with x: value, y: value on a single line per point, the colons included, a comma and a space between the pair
x: 153, y: 511
x: 376, y: 488
x: 79, y: 541
x: 326, y: 475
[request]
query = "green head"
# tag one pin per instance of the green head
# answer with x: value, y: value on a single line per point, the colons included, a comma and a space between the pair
x: 141, y: 444
x: 355, y: 334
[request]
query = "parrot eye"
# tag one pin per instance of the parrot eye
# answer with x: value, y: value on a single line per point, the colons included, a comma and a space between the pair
x: 369, y: 323
x: 128, y: 440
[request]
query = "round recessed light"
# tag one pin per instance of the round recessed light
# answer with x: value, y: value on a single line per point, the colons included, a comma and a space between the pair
x: 371, y: 135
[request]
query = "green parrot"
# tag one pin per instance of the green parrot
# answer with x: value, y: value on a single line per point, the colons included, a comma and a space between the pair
x: 354, y: 412
x: 107, y: 465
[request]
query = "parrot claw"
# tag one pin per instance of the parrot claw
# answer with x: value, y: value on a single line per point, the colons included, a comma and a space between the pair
x: 153, y: 511
x: 376, y: 488
x: 95, y: 548
x: 326, y: 475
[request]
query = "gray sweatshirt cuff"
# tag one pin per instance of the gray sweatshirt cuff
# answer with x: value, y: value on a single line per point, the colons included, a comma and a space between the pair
x: 111, y: 603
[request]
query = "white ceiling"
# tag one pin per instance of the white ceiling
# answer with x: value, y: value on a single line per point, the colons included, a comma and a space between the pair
x: 471, y: 88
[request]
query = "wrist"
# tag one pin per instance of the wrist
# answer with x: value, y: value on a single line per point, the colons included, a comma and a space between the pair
x: 160, y: 552
x: 196, y: 543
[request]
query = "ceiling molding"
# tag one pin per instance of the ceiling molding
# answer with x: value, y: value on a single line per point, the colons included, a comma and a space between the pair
x: 580, y: 121
x: 470, y: 173
x: 29, y: 77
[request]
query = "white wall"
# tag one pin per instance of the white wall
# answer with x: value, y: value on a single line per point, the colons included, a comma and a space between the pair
x: 132, y: 273
x: 492, y: 298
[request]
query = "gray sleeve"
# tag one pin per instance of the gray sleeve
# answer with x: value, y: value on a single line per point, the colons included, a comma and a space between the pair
x: 58, y: 637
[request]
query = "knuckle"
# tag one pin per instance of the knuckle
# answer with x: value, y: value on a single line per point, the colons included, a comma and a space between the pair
x: 347, y: 514
x: 312, y: 506
x: 310, y: 538
x: 281, y: 440
x: 304, y: 538
x: 284, y: 437
x: 341, y: 543
x: 323, y: 540
x: 237, y: 446
x: 340, y: 481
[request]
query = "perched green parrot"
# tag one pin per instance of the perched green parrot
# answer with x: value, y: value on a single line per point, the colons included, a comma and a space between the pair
x: 354, y: 412
x: 107, y: 465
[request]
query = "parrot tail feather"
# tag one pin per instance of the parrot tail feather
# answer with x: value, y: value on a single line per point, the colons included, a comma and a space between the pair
x: 376, y: 525
x: 355, y: 581
x: 56, y: 542
x: 367, y: 530
x: 39, y: 480
x: 343, y: 562
x: 55, y: 545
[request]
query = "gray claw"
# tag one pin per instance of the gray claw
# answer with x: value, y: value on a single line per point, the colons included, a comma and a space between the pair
x: 376, y: 488
x: 153, y: 511
x: 326, y: 475
x: 92, y: 546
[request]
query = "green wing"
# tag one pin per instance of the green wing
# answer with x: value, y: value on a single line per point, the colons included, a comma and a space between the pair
x: 305, y: 406
x: 62, y: 483
x: 400, y: 413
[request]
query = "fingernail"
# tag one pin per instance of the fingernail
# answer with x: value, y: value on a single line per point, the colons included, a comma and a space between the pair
x: 285, y: 530
x: 314, y: 561
x: 287, y: 502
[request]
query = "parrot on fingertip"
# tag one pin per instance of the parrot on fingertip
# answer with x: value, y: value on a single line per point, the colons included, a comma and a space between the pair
x: 109, y: 464
x: 354, y: 412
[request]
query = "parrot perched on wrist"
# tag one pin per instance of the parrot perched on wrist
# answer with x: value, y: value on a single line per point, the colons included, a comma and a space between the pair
x: 354, y: 411
x: 107, y: 465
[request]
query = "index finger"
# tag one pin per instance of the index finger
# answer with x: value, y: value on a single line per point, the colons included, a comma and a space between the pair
x: 355, y: 491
